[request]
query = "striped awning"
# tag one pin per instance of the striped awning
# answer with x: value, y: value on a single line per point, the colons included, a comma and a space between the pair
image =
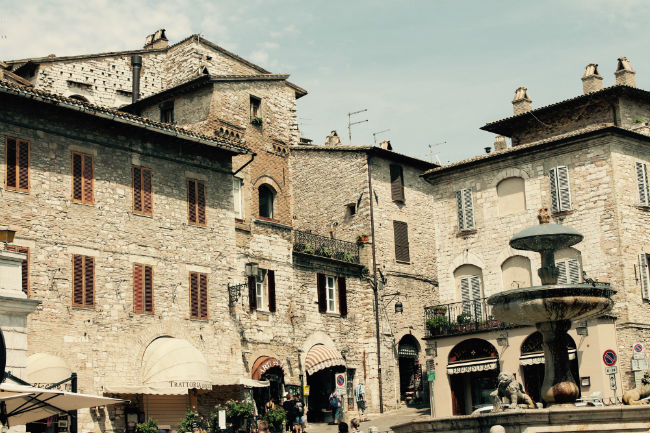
x: 320, y: 357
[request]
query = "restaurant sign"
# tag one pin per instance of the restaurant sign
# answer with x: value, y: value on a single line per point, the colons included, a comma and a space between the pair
x: 190, y: 384
x: 269, y: 364
x: 67, y: 387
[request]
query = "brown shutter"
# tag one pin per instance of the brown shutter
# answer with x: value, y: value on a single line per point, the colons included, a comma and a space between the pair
x: 343, y: 297
x: 147, y: 192
x: 322, y: 299
x: 88, y: 176
x: 252, y: 298
x: 89, y: 281
x: 191, y: 200
x: 137, y: 189
x: 137, y: 288
x: 396, y: 182
x: 194, y: 295
x: 25, y: 266
x: 23, y: 164
x: 12, y: 163
x: 400, y: 230
x: 203, y: 294
x: 77, y: 170
x: 271, y: 281
x: 148, y: 289
x: 77, y: 280
x: 201, y: 202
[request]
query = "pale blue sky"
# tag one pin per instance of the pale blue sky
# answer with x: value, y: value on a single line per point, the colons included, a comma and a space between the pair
x: 430, y: 71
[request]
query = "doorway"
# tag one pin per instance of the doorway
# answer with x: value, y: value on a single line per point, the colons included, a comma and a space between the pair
x: 410, y: 371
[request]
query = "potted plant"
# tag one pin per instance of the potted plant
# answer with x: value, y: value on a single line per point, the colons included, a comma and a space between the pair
x: 257, y: 121
x: 147, y: 427
x: 276, y: 418
x: 191, y: 422
x: 299, y: 247
x: 437, y: 324
x: 362, y: 239
x: 238, y: 412
x: 440, y: 310
x: 464, y: 319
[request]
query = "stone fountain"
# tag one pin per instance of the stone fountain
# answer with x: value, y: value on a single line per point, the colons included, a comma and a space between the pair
x: 551, y: 307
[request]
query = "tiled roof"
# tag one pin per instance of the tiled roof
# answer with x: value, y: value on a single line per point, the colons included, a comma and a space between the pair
x: 388, y: 154
x: 225, y: 142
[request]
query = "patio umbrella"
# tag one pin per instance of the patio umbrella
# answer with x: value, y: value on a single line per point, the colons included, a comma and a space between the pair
x: 22, y: 404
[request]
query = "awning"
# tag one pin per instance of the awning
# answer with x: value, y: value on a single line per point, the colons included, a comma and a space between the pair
x: 472, y: 366
x: 251, y: 383
x: 406, y: 350
x: 25, y: 404
x: 538, y: 357
x: 170, y: 366
x: 320, y: 357
x: 44, y: 369
x: 263, y: 364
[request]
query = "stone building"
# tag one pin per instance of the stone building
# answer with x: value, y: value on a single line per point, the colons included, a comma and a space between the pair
x: 586, y: 160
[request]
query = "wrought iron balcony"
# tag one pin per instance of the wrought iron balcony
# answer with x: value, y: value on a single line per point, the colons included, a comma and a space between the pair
x: 322, y: 246
x: 461, y: 318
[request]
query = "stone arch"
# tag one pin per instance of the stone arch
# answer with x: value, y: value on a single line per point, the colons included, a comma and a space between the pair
x: 511, y: 195
x: 466, y: 258
x: 472, y: 348
x: 265, y: 178
x: 166, y: 329
x: 506, y: 173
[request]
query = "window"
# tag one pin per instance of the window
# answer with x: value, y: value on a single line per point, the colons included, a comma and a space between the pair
x: 238, y: 198
x: 196, y: 202
x: 644, y: 266
x: 167, y: 112
x: 332, y: 294
x: 516, y: 273
x: 142, y: 289
x: 24, y: 267
x: 511, y: 194
x: 266, y: 198
x: 83, y: 281
x: 560, y: 192
x: 255, y: 104
x: 82, y: 178
x: 465, y: 208
x: 142, y: 192
x: 401, y: 233
x: 17, y: 163
x: 351, y: 209
x: 468, y: 279
x: 198, y: 296
x: 396, y: 183
x: 261, y: 291
x: 642, y: 183
x: 568, y: 262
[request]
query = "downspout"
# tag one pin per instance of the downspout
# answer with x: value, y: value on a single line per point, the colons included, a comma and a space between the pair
x: 244, y: 166
x: 374, y: 286
x: 136, y: 64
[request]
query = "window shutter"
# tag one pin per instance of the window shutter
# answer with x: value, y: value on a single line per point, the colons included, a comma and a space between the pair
x: 148, y: 289
x: 23, y: 164
x: 270, y: 275
x: 459, y: 210
x: 191, y: 200
x: 642, y: 183
x: 400, y: 231
x: 77, y: 280
x: 89, y: 281
x: 12, y: 163
x: 137, y: 288
x: 573, y: 266
x: 88, y: 177
x: 465, y: 295
x: 468, y: 204
x: 137, y: 189
x: 194, y: 295
x: 322, y: 299
x: 645, y: 276
x: 563, y: 186
x: 203, y: 296
x: 77, y: 169
x: 552, y: 175
x: 24, y: 267
x: 201, y: 202
x: 475, y: 282
x: 396, y: 182
x: 252, y: 293
x: 563, y: 276
x: 343, y: 297
x: 147, y: 192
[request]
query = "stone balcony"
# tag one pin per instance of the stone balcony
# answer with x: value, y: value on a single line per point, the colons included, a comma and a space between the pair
x: 459, y: 318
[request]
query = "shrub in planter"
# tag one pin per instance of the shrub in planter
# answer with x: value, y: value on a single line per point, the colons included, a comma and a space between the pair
x: 257, y: 121
x: 464, y: 319
x: 191, y: 421
x: 437, y: 323
x: 276, y: 417
x: 147, y: 427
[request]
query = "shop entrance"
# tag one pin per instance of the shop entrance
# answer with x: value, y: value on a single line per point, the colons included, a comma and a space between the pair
x: 321, y: 385
x: 275, y: 390
x: 410, y: 371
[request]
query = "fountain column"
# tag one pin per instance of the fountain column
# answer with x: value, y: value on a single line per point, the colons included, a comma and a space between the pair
x: 559, y: 384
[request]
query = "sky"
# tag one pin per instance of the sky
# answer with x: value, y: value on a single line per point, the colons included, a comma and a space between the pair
x: 430, y: 72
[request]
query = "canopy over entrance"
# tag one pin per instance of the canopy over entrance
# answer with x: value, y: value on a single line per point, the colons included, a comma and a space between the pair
x: 44, y: 369
x: 264, y: 364
x: 320, y: 357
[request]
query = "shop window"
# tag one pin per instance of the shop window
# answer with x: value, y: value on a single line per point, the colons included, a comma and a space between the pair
x: 83, y: 281
x: 516, y: 273
x: 17, y: 163
x: 266, y: 199
x: 332, y: 294
x: 198, y: 296
x: 511, y: 195
x: 82, y: 178
x: 196, y: 202
x: 24, y: 267
x: 142, y: 289
x: 142, y: 191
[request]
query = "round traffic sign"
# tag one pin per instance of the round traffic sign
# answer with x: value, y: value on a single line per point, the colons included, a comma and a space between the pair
x: 609, y: 357
x: 638, y: 347
x: 340, y: 380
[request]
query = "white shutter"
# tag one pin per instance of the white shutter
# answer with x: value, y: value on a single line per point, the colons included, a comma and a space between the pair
x: 552, y: 175
x: 237, y: 198
x: 469, y: 209
x: 465, y: 295
x: 563, y: 188
x: 642, y: 183
x: 562, y: 278
x: 574, y: 271
x: 459, y: 209
x: 645, y: 276
x: 475, y: 281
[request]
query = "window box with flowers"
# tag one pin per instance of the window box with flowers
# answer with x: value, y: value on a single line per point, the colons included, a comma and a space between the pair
x: 256, y: 121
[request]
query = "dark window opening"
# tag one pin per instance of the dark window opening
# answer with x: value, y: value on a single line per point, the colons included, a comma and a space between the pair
x: 266, y: 198
x: 352, y: 209
x: 167, y: 112
x: 255, y: 107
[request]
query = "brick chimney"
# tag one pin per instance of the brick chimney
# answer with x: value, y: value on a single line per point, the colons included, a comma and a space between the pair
x: 624, y: 73
x: 500, y: 143
x: 521, y: 103
x: 591, y: 80
x: 386, y: 145
x: 156, y: 41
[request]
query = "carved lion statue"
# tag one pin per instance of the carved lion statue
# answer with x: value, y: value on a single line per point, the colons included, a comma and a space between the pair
x: 633, y: 396
x: 511, y: 392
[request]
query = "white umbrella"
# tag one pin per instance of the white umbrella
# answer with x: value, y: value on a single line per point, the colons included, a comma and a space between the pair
x: 22, y: 404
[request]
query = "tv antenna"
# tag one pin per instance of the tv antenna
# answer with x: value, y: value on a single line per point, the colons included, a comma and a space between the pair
x: 431, y: 154
x: 375, y: 134
x: 350, y: 122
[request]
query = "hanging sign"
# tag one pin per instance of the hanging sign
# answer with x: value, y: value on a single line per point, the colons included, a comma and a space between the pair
x: 305, y: 390
x: 609, y: 357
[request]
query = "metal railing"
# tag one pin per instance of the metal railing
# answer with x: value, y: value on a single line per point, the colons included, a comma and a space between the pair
x: 322, y: 246
x: 461, y: 318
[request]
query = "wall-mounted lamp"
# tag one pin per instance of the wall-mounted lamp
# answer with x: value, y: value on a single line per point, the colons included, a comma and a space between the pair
x: 399, y: 307
x: 6, y: 235
x: 581, y: 328
x: 502, y: 340
x: 250, y: 270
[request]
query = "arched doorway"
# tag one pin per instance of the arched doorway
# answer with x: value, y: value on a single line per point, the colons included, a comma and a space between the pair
x: 472, y: 368
x: 268, y: 369
x: 410, y: 371
x: 532, y: 364
x: 321, y: 364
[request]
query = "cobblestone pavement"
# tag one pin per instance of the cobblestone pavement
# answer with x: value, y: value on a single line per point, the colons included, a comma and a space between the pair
x: 383, y: 422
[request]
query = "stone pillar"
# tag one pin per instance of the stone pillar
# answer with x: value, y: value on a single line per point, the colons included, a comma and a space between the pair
x: 559, y: 385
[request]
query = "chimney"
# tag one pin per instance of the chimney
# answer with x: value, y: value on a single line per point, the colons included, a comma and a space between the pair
x: 156, y: 41
x: 591, y: 80
x: 500, y: 143
x: 386, y: 145
x: 521, y: 103
x: 136, y: 65
x: 624, y: 73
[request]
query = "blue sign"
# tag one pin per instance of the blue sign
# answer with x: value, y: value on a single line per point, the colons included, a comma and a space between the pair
x: 609, y: 357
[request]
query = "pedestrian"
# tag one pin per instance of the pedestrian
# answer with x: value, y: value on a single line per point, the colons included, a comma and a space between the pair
x: 343, y: 427
x: 270, y: 405
x: 360, y: 397
x: 299, y: 408
x: 288, y: 407
x: 355, y: 423
x: 337, y: 410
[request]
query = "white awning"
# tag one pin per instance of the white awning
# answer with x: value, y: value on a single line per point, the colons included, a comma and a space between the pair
x: 538, y: 357
x: 320, y: 357
x: 252, y: 383
x: 472, y: 366
x: 44, y: 369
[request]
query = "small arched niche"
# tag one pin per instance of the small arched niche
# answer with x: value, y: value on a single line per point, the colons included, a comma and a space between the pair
x: 516, y: 273
x: 512, y: 196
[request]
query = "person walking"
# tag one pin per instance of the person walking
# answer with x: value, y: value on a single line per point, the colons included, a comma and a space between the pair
x: 289, y: 407
x: 360, y: 397
x: 335, y: 404
x: 299, y: 422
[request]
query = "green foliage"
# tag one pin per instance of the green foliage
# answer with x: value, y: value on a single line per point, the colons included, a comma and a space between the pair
x: 309, y: 249
x: 440, y: 310
x: 464, y: 319
x: 639, y: 120
x: 150, y: 426
x: 299, y: 247
x: 276, y: 417
x: 437, y: 322
x: 324, y: 251
x: 237, y: 412
x: 257, y: 121
x: 191, y: 421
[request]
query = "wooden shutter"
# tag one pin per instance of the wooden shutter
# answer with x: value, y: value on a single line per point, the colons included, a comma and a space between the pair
x: 563, y: 187
x: 137, y: 189
x: 24, y: 267
x: 642, y: 183
x: 203, y: 296
x: 88, y: 176
x: 465, y: 295
x: 196, y: 201
x: 200, y: 192
x: 270, y: 276
x: 191, y: 201
x: 396, y: 182
x: 563, y: 275
x: 400, y: 231
x: 138, y: 278
x: 147, y: 192
x: 343, y: 297
x: 77, y: 171
x: 17, y: 163
x: 573, y: 268
x: 77, y: 281
x: 252, y: 293
x: 475, y: 283
x: 89, y: 281
x: 82, y: 177
x: 322, y: 297
x: 194, y: 295
x: 23, y: 165
x: 148, y: 289
x: 645, y: 276
x: 11, y: 161
x: 465, y: 209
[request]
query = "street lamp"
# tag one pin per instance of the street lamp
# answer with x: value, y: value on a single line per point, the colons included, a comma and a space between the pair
x: 399, y: 307
x: 250, y: 270
x: 7, y: 235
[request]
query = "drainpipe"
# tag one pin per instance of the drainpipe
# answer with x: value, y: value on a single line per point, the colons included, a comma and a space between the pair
x: 136, y: 65
x: 374, y: 287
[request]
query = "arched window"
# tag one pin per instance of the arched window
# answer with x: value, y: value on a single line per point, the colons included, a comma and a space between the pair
x: 516, y: 273
x: 79, y: 98
x: 568, y: 260
x: 469, y: 283
x: 266, y: 197
x: 512, y: 197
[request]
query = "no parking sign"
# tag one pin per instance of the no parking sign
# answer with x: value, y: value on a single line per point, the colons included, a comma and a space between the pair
x: 340, y: 383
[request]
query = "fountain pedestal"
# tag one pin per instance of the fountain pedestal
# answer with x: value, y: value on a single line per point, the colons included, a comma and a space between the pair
x: 559, y: 385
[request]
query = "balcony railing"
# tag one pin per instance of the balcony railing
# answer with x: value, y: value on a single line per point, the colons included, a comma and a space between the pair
x: 461, y: 318
x: 322, y: 246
